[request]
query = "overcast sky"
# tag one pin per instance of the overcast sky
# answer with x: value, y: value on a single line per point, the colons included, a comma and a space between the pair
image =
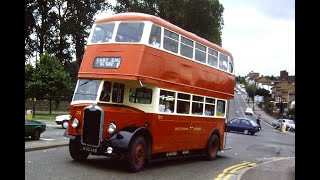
x: 260, y: 34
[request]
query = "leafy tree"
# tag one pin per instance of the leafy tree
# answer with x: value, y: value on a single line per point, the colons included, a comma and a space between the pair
x: 251, y: 90
x: 262, y: 92
x: 79, y: 20
x: 202, y: 17
x: 52, y: 81
x: 241, y: 80
x: 29, y: 81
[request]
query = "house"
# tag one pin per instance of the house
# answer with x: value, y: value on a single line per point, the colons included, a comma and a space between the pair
x: 284, y: 92
x: 264, y: 83
x: 251, y: 76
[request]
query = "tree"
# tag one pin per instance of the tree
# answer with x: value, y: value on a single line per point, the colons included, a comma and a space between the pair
x: 262, y: 92
x: 52, y: 81
x: 29, y: 81
x: 250, y: 90
x: 79, y: 21
x: 202, y: 17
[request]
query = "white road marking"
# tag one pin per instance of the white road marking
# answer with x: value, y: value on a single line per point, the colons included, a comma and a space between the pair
x: 46, y: 139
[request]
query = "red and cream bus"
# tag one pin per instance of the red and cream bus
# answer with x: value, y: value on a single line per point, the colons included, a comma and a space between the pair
x: 139, y: 100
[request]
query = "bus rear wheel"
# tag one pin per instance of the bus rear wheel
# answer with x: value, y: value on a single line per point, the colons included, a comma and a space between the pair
x: 213, y: 147
x: 137, y: 154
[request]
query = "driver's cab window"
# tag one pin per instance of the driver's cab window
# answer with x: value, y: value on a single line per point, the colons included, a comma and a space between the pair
x: 117, y: 92
x: 106, y: 92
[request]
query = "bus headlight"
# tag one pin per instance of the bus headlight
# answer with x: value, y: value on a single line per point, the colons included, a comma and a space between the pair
x: 112, y: 127
x: 75, y: 123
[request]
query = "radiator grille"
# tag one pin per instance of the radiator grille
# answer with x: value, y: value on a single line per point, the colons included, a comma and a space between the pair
x: 91, y: 127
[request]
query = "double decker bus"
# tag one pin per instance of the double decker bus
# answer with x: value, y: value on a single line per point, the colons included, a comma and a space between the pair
x: 148, y: 89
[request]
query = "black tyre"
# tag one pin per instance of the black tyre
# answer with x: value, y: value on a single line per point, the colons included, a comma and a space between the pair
x: 137, y: 154
x: 213, y: 147
x: 75, y: 152
x: 36, y: 134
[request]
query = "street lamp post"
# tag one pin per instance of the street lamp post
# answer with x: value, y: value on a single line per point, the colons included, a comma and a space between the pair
x: 35, y: 83
x: 254, y: 94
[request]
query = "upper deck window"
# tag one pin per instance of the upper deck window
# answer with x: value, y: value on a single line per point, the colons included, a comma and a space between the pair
x: 230, y: 65
x: 102, y: 33
x: 155, y: 35
x: 212, y: 57
x: 170, y: 41
x: 87, y: 89
x: 223, y: 61
x: 129, y: 32
x: 200, y: 53
x: 186, y: 47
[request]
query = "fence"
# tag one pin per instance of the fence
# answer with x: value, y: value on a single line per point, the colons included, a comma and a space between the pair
x: 43, y: 105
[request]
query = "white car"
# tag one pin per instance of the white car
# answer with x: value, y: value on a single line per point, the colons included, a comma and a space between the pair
x: 63, y: 120
x: 290, y: 125
x: 248, y: 111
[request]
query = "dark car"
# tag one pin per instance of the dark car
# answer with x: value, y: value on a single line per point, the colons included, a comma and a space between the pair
x: 34, y: 128
x: 247, y: 126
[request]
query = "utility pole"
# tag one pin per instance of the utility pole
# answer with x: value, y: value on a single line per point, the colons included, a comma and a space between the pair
x: 35, y: 83
x: 254, y: 94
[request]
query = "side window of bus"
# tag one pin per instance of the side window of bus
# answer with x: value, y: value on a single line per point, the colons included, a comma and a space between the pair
x: 170, y: 41
x: 223, y: 62
x: 186, y: 47
x: 197, y: 105
x: 209, y: 107
x: 155, y: 35
x: 212, y: 58
x: 140, y: 95
x: 183, y: 103
x: 221, y: 108
x: 117, y: 93
x: 166, y: 101
x: 230, y: 65
x: 200, y: 53
x: 106, y: 92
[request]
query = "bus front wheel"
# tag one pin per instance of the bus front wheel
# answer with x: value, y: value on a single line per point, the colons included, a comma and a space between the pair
x: 137, y: 154
x: 75, y: 152
x: 213, y: 147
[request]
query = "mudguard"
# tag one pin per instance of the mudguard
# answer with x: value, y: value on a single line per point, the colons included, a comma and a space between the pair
x: 122, y: 139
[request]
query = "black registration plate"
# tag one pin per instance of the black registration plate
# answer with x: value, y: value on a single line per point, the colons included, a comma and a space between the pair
x: 89, y: 149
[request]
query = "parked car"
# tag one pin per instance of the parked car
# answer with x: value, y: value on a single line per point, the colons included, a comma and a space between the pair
x: 63, y: 120
x: 248, y: 111
x: 34, y: 128
x: 247, y: 126
x: 290, y: 125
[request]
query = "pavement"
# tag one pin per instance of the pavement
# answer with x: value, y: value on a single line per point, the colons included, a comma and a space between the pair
x: 279, y: 168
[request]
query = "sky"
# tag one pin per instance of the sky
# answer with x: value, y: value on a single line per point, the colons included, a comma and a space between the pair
x: 260, y: 34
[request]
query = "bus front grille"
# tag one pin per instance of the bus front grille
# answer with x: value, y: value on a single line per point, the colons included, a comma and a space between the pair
x: 91, y: 127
